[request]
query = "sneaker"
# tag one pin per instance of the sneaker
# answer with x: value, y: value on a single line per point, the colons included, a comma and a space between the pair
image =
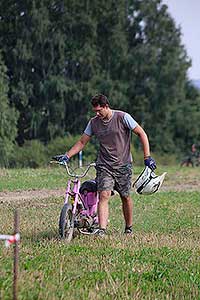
x: 101, y: 232
x: 128, y: 230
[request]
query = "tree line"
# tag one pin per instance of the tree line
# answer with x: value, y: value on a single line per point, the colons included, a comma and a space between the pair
x: 54, y: 55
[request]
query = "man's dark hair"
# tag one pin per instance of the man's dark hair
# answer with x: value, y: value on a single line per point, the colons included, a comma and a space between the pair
x: 100, y: 99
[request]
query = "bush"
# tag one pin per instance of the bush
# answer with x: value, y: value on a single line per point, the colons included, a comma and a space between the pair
x: 32, y: 154
x: 61, y: 144
x: 35, y: 154
x: 166, y: 159
x: 162, y: 159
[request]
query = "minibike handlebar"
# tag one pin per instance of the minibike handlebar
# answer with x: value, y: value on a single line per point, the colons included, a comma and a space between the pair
x: 73, y: 174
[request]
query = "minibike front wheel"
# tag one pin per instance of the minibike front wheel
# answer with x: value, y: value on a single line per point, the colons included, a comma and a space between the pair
x: 66, y: 222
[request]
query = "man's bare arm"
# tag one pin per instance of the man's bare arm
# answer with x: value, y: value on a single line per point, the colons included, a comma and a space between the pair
x: 79, y: 145
x: 138, y: 130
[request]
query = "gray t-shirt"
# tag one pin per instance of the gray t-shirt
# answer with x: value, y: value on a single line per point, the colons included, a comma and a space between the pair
x: 114, y: 137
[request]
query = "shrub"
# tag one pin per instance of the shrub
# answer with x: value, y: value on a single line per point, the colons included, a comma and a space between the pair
x: 32, y: 154
x: 61, y: 144
x: 163, y: 159
x: 35, y: 154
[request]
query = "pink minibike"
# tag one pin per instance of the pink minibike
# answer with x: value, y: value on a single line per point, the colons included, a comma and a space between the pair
x: 79, y: 211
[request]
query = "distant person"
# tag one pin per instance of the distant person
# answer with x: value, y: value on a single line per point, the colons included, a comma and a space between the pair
x: 193, y: 148
x: 193, y: 158
x: 114, y: 162
x: 195, y: 155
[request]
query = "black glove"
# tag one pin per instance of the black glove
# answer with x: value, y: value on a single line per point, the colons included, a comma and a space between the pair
x: 150, y: 162
x: 63, y: 158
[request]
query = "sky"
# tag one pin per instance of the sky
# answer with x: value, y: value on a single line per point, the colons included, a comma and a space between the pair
x: 186, y: 14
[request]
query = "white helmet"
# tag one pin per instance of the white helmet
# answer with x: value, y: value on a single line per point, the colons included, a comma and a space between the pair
x: 148, y: 183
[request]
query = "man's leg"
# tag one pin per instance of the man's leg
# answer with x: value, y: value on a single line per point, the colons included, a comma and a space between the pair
x: 105, y: 184
x: 127, y: 206
x: 103, y: 209
x: 123, y: 181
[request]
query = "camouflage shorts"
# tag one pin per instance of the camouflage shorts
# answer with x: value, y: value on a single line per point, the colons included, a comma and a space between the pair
x: 115, y: 179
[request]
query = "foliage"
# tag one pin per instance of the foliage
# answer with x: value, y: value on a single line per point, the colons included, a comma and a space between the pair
x: 58, y: 54
x: 188, y: 117
x: 160, y: 62
x: 8, y: 119
x: 60, y: 145
x: 32, y: 154
x: 35, y: 154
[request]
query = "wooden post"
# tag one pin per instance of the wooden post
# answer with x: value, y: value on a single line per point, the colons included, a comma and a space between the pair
x: 16, y: 256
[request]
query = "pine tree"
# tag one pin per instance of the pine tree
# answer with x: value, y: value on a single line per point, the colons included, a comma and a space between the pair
x: 8, y: 119
x: 157, y: 68
x: 60, y: 53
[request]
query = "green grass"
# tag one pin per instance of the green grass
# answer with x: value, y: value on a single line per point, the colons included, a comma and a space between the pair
x: 25, y: 179
x: 161, y: 260
x: 55, y: 177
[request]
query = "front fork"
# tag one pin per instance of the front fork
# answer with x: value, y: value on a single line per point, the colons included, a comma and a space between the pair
x: 76, y: 193
x: 67, y: 192
x: 74, y: 196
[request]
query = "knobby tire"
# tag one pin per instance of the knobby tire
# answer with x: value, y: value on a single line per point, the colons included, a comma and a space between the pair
x: 66, y: 223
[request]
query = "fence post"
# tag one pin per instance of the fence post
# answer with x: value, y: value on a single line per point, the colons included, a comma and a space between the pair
x: 80, y: 159
x: 16, y: 256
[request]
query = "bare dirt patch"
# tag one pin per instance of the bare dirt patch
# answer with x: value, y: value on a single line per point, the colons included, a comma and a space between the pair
x: 21, y: 196
x: 184, y: 187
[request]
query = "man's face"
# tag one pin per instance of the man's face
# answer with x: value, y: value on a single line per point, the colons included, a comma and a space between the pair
x: 101, y: 111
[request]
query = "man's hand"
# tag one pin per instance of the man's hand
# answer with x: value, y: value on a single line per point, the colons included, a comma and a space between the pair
x: 150, y: 162
x: 63, y: 158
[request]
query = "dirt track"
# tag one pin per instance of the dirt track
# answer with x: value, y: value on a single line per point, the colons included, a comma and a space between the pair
x: 46, y: 193
x: 30, y: 195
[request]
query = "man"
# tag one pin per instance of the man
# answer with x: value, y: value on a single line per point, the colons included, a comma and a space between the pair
x: 114, y: 162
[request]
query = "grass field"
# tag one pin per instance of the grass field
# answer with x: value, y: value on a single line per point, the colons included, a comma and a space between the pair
x: 161, y: 260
